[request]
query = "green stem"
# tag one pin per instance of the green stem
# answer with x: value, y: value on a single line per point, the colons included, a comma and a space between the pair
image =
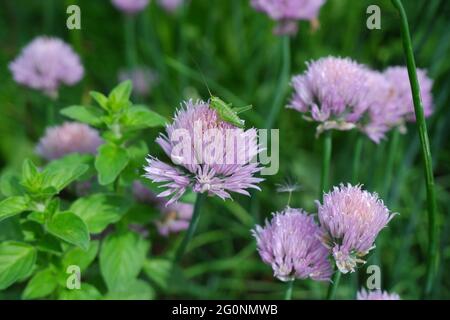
x: 288, y: 294
x: 51, y: 112
x: 433, y: 236
x: 357, y: 159
x: 130, y: 40
x: 393, y: 149
x: 192, y: 227
x: 283, y: 81
x: 326, y: 159
x: 333, y: 286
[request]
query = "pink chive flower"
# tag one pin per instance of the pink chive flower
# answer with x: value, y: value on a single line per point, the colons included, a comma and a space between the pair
x: 208, y: 155
x: 351, y: 219
x: 70, y: 137
x: 382, y: 112
x: 130, y: 6
x: 170, y: 5
x: 287, y: 12
x: 402, y: 95
x: 174, y: 217
x: 45, y: 64
x: 142, y: 78
x: 376, y: 295
x: 290, y: 243
x: 331, y: 92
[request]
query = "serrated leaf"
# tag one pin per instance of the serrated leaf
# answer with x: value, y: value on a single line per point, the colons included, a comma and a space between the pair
x: 69, y: 227
x: 140, y: 117
x: 100, y: 210
x: 89, y: 115
x: 135, y: 290
x: 121, y: 258
x: 16, y: 261
x: 110, y: 161
x: 41, y: 284
x: 80, y: 257
x: 158, y: 270
x: 10, y: 184
x: 31, y: 177
x: 12, y: 206
x: 120, y: 95
x: 100, y: 98
x: 60, y: 173
x: 86, y: 292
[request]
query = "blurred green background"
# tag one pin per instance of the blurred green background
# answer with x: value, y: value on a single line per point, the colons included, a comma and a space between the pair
x: 234, y: 47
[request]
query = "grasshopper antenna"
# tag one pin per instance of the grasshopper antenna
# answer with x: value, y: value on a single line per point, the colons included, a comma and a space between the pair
x: 201, y: 73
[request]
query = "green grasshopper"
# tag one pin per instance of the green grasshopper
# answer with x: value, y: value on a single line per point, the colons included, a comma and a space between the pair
x: 225, y: 111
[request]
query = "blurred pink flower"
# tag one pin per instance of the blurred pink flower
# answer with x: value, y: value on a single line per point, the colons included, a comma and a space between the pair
x: 351, y: 219
x: 170, y: 5
x: 331, y: 91
x: 70, y: 137
x: 291, y: 244
x: 130, y: 6
x: 402, y: 95
x: 376, y: 295
x: 142, y: 78
x: 174, y: 217
x: 287, y: 12
x: 46, y: 63
x: 208, y: 154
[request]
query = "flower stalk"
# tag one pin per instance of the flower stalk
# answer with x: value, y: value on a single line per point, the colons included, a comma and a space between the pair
x: 326, y: 159
x: 289, y: 288
x: 282, y: 82
x: 192, y: 227
x: 433, y: 244
x: 334, y: 285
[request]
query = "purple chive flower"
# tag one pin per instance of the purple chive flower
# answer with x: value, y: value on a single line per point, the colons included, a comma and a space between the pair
x: 174, y: 217
x: 351, y: 219
x: 291, y: 244
x: 287, y: 12
x: 382, y: 112
x: 208, y: 155
x: 142, y: 78
x: 376, y: 295
x: 331, y: 92
x: 402, y: 95
x: 70, y: 137
x: 170, y: 5
x: 130, y: 6
x: 45, y: 64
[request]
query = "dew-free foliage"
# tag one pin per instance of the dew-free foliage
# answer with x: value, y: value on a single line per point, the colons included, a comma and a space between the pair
x: 16, y: 262
x: 122, y: 256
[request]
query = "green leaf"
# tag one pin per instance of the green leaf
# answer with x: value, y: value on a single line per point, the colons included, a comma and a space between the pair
x: 140, y: 117
x: 101, y: 99
x: 100, y: 210
x: 69, y: 227
x: 120, y: 96
x: 89, y: 115
x: 31, y: 177
x: 80, y: 257
x: 158, y: 270
x: 16, y: 262
x: 60, y: 173
x: 121, y: 258
x: 135, y: 290
x: 41, y: 284
x: 110, y: 162
x: 12, y: 206
x: 86, y: 292
x: 10, y: 184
